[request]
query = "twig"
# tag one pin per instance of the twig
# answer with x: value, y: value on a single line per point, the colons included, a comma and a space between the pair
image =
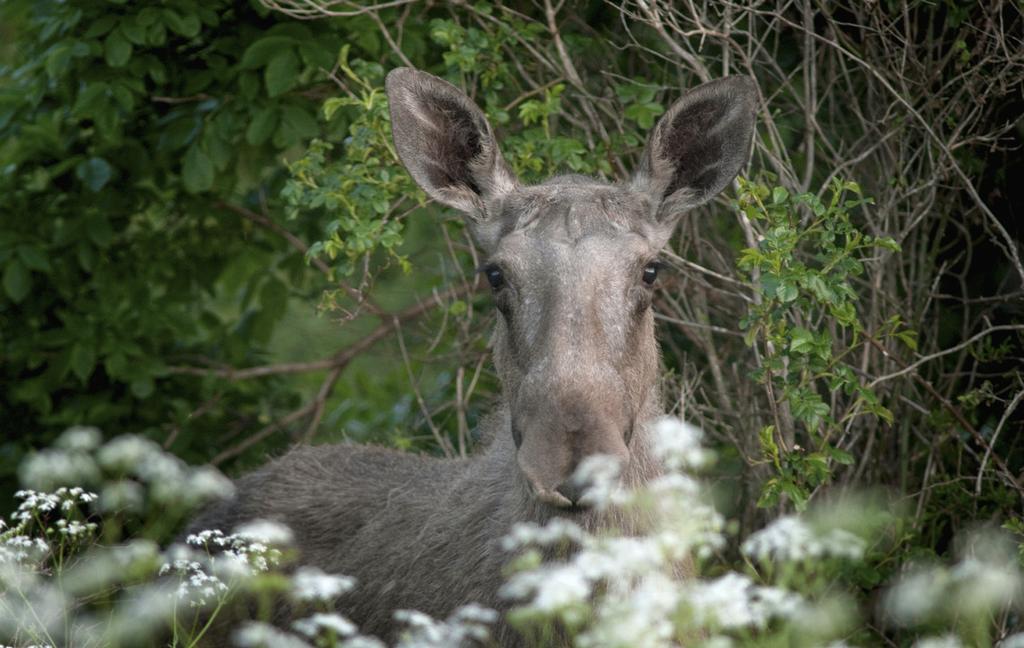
x: 932, y: 356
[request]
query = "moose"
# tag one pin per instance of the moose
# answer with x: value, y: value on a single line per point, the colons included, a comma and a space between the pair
x: 572, y: 266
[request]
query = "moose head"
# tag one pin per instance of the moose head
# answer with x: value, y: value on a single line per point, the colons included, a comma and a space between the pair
x: 572, y: 262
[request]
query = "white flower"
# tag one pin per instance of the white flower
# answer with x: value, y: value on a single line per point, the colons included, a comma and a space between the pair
x: 256, y: 634
x: 37, y: 503
x: 983, y: 586
x: 312, y: 584
x: 362, y: 642
x: 79, y: 439
x: 122, y: 495
x: 1013, y: 641
x: 207, y: 483
x: 124, y: 453
x: 556, y: 532
x: 312, y: 626
x: 944, y: 641
x: 635, y: 616
x: 468, y: 624
x: 74, y: 528
x: 266, y: 531
x: 601, y: 474
x: 789, y: 538
x: 734, y: 601
x: 916, y: 595
x: 49, y: 468
x: 679, y: 444
x: 19, y: 549
x: 550, y: 589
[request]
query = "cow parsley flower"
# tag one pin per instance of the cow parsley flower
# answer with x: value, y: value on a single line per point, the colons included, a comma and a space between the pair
x: 637, y: 616
x: 601, y: 474
x: 313, y: 626
x: 734, y: 601
x: 195, y: 584
x: 74, y: 529
x: 20, y: 549
x: 1013, y: 641
x: 942, y: 641
x: 679, y: 444
x: 47, y: 469
x: 79, y: 438
x: 312, y: 584
x: 557, y: 531
x: 267, y: 532
x: 237, y: 555
x: 789, y: 538
x: 551, y: 589
x: 256, y: 634
x: 39, y: 504
x: 916, y: 595
x: 468, y: 624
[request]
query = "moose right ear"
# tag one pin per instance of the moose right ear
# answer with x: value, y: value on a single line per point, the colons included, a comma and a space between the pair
x: 698, y: 146
x: 445, y: 142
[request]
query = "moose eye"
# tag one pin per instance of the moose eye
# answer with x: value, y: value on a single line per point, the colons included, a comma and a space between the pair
x: 650, y: 273
x: 494, y: 276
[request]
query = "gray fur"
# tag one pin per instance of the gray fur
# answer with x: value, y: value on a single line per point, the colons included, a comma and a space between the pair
x: 575, y: 350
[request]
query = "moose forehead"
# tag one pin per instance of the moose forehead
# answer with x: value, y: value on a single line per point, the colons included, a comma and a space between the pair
x: 572, y: 210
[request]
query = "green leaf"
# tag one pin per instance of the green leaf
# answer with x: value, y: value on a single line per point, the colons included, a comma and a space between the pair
x: 262, y: 126
x: 282, y: 73
x: 769, y: 494
x: 17, y: 281
x: 83, y: 359
x: 261, y: 51
x: 197, y: 171
x: 94, y: 173
x: 134, y: 31
x: 33, y: 258
x: 116, y: 49
x: 99, y: 230
x: 779, y: 195
x: 909, y: 338
x: 787, y: 292
x: 802, y: 341
x: 797, y: 494
x: 297, y: 124
x: 187, y: 26
x: 142, y: 387
x: 840, y: 456
x: 273, y: 298
x: 100, y: 27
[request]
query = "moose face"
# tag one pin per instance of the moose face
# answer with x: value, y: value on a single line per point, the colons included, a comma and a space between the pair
x: 572, y: 262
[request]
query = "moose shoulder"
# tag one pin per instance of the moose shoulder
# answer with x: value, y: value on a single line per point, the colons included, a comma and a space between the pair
x: 572, y: 264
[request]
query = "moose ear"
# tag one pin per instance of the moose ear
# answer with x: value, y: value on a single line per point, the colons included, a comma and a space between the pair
x: 445, y: 142
x: 698, y: 146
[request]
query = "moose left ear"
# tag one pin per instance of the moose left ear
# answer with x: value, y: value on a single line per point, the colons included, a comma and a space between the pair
x: 698, y: 146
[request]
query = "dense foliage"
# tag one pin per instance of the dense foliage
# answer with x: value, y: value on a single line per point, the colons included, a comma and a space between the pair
x: 207, y: 239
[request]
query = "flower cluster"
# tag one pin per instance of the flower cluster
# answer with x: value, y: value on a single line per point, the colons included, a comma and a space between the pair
x: 791, y: 539
x: 985, y: 581
x: 196, y: 585
x: 635, y: 588
x: 467, y: 626
x: 37, y: 504
x: 312, y: 584
x: 22, y: 549
x: 735, y: 601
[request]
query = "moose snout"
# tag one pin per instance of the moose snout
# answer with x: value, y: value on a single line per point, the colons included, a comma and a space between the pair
x: 574, y: 489
x: 562, y: 473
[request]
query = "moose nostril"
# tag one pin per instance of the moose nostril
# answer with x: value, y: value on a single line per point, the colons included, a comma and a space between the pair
x: 573, y: 490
